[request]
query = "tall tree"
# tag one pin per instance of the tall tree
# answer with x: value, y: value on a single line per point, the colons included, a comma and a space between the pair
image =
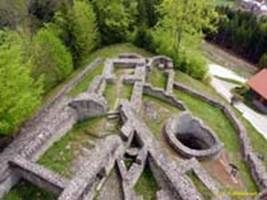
x: 51, y: 58
x: 76, y: 25
x: 185, y: 19
x: 113, y: 20
x: 20, y: 94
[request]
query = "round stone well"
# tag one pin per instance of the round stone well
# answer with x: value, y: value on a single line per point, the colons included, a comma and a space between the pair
x: 191, y: 138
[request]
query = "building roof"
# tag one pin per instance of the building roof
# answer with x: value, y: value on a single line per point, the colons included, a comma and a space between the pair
x: 259, y: 83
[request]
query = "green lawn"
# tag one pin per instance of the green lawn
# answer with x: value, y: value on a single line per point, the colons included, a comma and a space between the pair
x: 147, y: 185
x: 158, y: 78
x: 216, y: 120
x: 85, y: 83
x: 111, y: 93
x: 225, y: 2
x: 26, y: 191
x: 259, y: 144
x: 60, y: 156
x: 163, y: 111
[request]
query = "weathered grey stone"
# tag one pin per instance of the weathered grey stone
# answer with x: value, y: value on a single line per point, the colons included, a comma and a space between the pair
x: 95, y: 168
x: 130, y: 56
x: 161, y: 94
x: 180, y: 186
x: 38, y: 175
x: 137, y: 95
x: 129, y: 62
x: 161, y: 60
x: 202, y: 142
x: 88, y: 105
x: 95, y: 86
x: 170, y: 80
x: 257, y: 167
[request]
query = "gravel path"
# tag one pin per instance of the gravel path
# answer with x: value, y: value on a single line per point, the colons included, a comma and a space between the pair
x: 258, y: 121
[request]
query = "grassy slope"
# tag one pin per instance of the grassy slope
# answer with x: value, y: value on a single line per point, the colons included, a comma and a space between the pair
x: 60, y: 155
x: 215, y: 119
x: 84, y: 84
x: 225, y: 2
x: 258, y: 143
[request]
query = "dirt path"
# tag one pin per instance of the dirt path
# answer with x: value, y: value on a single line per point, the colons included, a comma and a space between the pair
x: 225, y: 58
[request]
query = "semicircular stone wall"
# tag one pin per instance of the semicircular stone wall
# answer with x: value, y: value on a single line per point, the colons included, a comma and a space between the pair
x: 191, y: 138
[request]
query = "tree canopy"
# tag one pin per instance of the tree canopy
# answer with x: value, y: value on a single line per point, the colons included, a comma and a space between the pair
x: 20, y: 93
x: 51, y: 58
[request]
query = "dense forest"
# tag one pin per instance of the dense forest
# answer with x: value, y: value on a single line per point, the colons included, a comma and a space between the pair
x: 244, y: 33
x: 43, y: 41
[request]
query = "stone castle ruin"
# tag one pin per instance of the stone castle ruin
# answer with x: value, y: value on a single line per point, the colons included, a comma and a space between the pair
x: 186, y: 135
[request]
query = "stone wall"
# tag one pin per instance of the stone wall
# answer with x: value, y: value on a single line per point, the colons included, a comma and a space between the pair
x: 180, y: 186
x: 38, y: 175
x: 161, y: 94
x: 94, y: 169
x: 48, y: 125
x: 184, y: 125
x: 88, y: 105
x: 257, y: 167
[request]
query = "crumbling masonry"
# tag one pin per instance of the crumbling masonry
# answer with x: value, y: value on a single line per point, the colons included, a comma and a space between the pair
x: 18, y: 160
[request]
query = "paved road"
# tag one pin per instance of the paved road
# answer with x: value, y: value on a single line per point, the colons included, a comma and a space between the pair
x: 257, y: 120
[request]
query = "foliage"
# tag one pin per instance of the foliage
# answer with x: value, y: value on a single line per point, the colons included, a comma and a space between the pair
x: 44, y: 9
x: 183, y: 22
x: 20, y: 94
x: 113, y: 20
x: 77, y: 27
x: 50, y: 57
x: 242, y: 32
x: 13, y: 13
x: 144, y: 38
x: 263, y: 61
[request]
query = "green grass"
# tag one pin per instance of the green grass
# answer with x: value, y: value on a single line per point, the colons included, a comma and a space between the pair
x: 225, y: 2
x: 218, y: 122
x: 157, y: 78
x: 147, y: 185
x: 203, y: 190
x: 27, y: 191
x: 115, y: 50
x: 163, y: 110
x: 111, y: 94
x: 126, y: 91
x: 85, y: 83
x: 259, y: 144
x: 60, y: 156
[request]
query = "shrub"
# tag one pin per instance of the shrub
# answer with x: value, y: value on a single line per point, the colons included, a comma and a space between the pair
x: 263, y: 61
x: 144, y: 39
x: 195, y: 65
x: 50, y: 57
x: 189, y: 60
x: 20, y: 94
